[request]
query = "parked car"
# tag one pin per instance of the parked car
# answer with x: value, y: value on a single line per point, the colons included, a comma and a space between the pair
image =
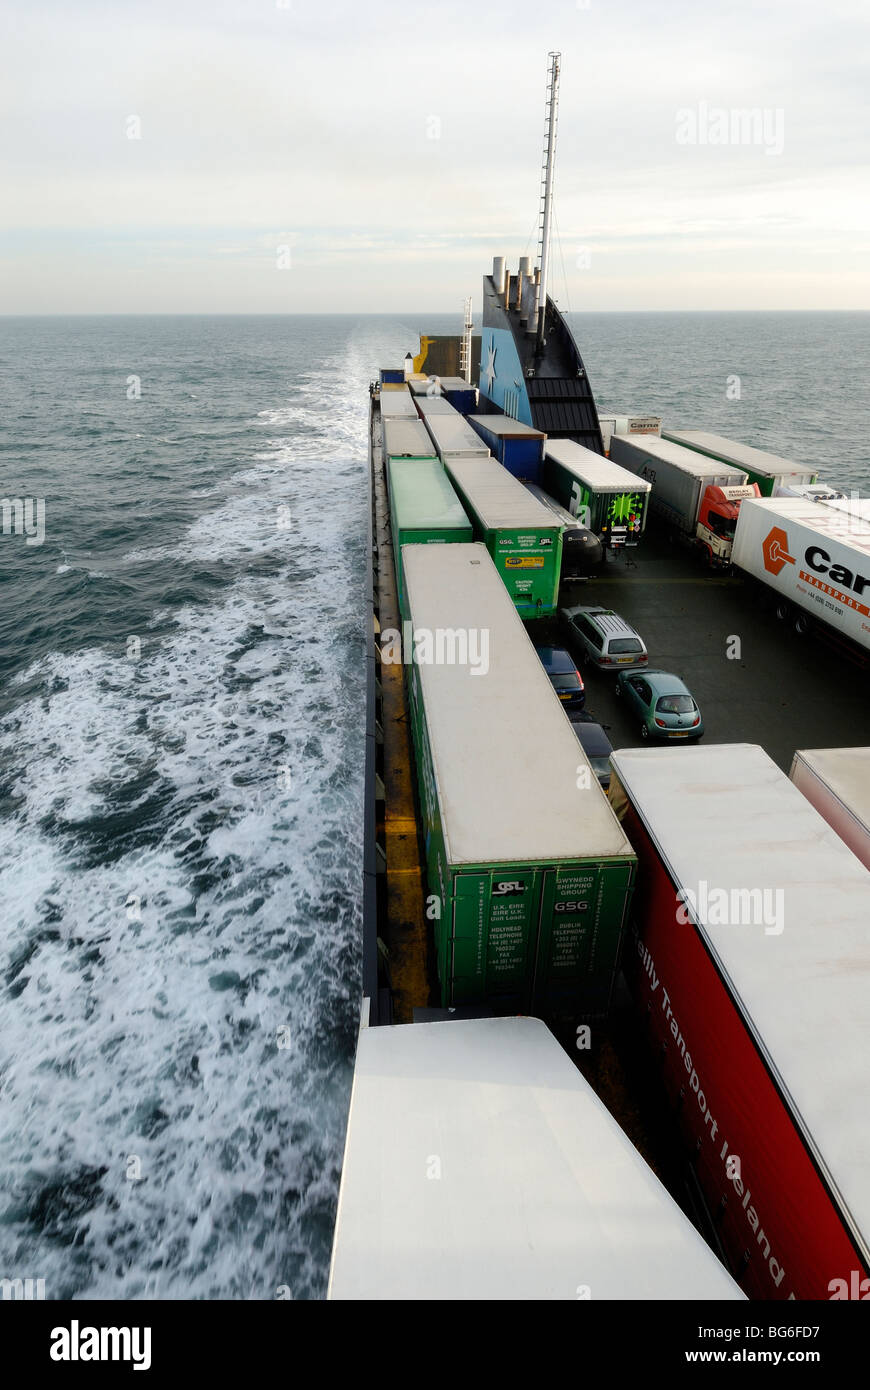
x: 603, y: 638
x: 663, y: 704
x: 564, y: 676
x: 596, y: 746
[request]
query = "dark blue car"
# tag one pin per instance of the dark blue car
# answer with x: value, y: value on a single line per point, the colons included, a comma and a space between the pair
x: 564, y: 676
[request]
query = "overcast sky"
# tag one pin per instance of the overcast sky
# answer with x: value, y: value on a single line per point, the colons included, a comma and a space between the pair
x: 392, y: 150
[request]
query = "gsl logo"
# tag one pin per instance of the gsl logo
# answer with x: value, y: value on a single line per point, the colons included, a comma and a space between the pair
x: 507, y: 888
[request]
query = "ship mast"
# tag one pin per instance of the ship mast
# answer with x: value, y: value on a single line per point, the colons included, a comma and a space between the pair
x: 465, y: 343
x: 552, y: 114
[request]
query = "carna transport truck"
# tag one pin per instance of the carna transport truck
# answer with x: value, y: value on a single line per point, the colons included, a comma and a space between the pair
x: 749, y: 967
x: 813, y: 560
x: 529, y: 872
x: 606, y: 498
x: 697, y: 499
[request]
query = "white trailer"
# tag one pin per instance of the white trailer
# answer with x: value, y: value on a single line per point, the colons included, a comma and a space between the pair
x: 768, y: 470
x: 696, y: 498
x: 815, y: 559
x: 480, y: 1165
x: 452, y: 435
x: 750, y: 968
x: 837, y: 782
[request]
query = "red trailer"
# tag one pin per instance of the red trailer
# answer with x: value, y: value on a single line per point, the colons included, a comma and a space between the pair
x: 750, y: 961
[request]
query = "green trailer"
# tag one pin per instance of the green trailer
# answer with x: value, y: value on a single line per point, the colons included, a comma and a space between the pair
x: 529, y: 872
x: 606, y: 498
x: 522, y: 536
x: 424, y: 510
x: 769, y: 471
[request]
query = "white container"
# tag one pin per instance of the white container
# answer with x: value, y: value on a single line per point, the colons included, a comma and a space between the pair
x: 815, y: 557
x: 398, y: 404
x: 627, y: 424
x: 837, y: 782
x: 453, y: 437
x: 760, y: 465
x: 538, y: 1194
x: 679, y: 476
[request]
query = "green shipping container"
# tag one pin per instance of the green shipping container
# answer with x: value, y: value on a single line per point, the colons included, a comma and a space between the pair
x: 529, y: 871
x: 522, y: 536
x: 424, y: 510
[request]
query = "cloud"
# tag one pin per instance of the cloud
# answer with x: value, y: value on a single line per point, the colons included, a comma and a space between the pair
x: 353, y: 131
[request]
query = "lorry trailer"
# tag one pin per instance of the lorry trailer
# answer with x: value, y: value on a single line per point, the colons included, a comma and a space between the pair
x: 523, y: 537
x: 814, y: 559
x: 543, y: 1195
x: 627, y: 424
x: 407, y: 439
x: 452, y: 435
x: 529, y: 872
x: 517, y: 446
x: 697, y: 499
x: 424, y: 510
x: 749, y: 966
x: 397, y: 402
x: 769, y: 471
x: 608, y: 499
x: 582, y: 551
x: 837, y: 782
x: 436, y: 404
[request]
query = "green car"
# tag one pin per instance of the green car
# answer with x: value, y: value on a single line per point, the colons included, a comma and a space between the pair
x: 666, y: 709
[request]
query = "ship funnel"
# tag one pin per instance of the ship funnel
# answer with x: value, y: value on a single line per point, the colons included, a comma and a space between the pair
x: 498, y: 273
x: 520, y: 279
x: 409, y: 364
x: 506, y: 297
x: 525, y: 266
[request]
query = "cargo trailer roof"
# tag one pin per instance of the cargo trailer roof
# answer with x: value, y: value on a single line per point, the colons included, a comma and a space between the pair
x: 497, y: 496
x: 689, y: 460
x: 438, y: 405
x: 422, y: 495
x: 504, y: 752
x: 727, y: 816
x: 848, y: 527
x: 741, y: 455
x: 539, y: 1192
x: 399, y: 402
x: 561, y: 515
x: 591, y: 468
x: 846, y: 771
x: 456, y: 383
x: 504, y: 427
x: 407, y: 438
x: 453, y: 435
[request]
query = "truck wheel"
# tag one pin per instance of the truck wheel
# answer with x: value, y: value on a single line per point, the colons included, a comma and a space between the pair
x: 644, y: 732
x: 782, y: 610
x: 801, y: 625
x: 617, y: 689
x: 708, y: 556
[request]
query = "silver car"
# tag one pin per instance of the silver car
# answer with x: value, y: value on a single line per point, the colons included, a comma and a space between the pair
x: 604, y: 639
